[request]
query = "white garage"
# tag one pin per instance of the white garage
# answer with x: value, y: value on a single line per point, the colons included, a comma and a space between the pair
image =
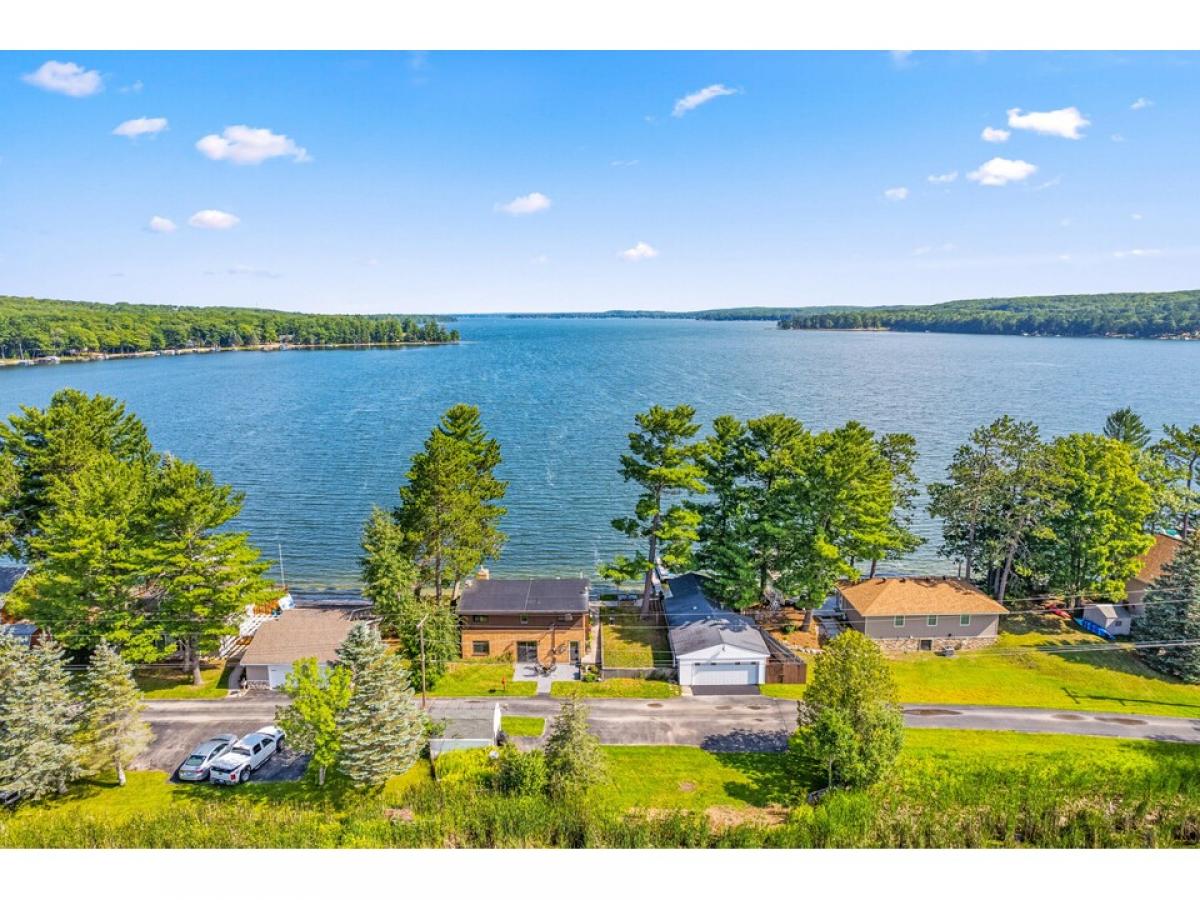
x: 713, y: 647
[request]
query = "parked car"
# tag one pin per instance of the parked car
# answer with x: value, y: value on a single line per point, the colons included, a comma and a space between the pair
x: 244, y: 757
x: 196, y: 766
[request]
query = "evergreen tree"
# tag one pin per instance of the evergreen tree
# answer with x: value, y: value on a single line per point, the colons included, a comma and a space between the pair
x: 383, y: 728
x: 573, y: 759
x: 1127, y: 426
x: 1181, y: 451
x: 850, y: 726
x: 114, y: 733
x: 723, y: 548
x: 1172, y: 616
x: 39, y: 721
x: 10, y: 483
x: 661, y: 462
x: 48, y: 445
x: 89, y: 582
x: 319, y: 696
x: 390, y: 578
x: 201, y: 574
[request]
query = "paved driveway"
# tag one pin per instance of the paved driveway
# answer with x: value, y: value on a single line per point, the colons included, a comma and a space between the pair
x: 179, y: 725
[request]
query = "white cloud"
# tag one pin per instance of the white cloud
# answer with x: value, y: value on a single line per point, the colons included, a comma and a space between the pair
x: 66, y: 78
x: 901, y: 59
x: 1141, y: 103
x: 252, y: 272
x: 896, y: 193
x: 944, y: 178
x: 1137, y: 217
x: 246, y: 146
x: 1064, y: 123
x: 1137, y: 252
x: 999, y: 171
x: 161, y: 224
x: 994, y: 135
x: 525, y: 205
x: 540, y: 260
x: 133, y: 128
x: 371, y: 262
x: 135, y: 88
x: 213, y: 219
x: 699, y: 98
x: 623, y: 163
x: 639, y: 251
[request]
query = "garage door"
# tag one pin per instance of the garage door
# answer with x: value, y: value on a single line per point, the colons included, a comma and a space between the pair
x: 277, y: 675
x: 725, y: 673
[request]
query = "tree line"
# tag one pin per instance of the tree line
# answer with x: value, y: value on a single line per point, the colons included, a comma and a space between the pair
x: 1138, y: 315
x: 770, y: 510
x: 31, y: 328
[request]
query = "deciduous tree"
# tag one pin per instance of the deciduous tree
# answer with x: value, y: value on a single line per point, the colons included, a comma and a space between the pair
x: 573, y: 760
x: 311, y: 721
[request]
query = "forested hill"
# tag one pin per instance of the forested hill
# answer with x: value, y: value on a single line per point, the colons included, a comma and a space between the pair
x: 31, y: 328
x: 1142, y: 315
x: 732, y: 314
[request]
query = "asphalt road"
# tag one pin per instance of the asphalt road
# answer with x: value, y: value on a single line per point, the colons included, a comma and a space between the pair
x: 721, y: 723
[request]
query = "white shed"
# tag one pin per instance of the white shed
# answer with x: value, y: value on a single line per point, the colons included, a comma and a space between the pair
x: 1112, y: 618
x: 466, y: 726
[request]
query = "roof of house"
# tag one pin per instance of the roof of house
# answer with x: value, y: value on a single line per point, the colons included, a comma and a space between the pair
x: 917, y: 597
x: 525, y: 595
x: 696, y: 623
x: 300, y: 633
x: 9, y: 576
x: 1106, y: 611
x: 1162, y: 552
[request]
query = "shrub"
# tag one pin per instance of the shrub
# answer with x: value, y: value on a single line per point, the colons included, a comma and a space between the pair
x: 520, y: 773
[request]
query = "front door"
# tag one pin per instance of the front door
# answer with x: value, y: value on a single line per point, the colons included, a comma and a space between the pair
x: 575, y: 652
x: 527, y: 651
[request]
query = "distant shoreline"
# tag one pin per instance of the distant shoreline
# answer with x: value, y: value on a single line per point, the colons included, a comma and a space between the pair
x: 51, y: 359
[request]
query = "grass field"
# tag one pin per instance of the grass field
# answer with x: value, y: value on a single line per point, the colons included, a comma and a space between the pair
x: 1022, y: 670
x: 522, y: 726
x: 630, y: 643
x: 615, y: 687
x: 170, y: 684
x: 948, y: 789
x: 481, y: 679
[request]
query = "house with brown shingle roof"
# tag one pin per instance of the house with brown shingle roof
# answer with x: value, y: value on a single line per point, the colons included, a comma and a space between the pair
x: 1156, y: 559
x: 295, y: 634
x: 920, y: 613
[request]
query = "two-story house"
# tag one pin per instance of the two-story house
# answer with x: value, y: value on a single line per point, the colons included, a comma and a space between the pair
x: 528, y: 619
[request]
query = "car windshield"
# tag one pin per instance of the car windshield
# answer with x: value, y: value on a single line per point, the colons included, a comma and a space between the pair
x: 193, y: 760
x: 239, y: 750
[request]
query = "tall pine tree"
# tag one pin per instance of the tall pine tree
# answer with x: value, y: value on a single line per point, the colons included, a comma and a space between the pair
x: 39, y: 721
x: 382, y: 728
x: 1172, y: 616
x: 113, y: 731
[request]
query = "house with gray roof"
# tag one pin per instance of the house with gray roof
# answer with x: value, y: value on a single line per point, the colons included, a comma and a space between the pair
x: 712, y: 646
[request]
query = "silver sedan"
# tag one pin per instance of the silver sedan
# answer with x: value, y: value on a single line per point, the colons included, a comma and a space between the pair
x: 195, y: 767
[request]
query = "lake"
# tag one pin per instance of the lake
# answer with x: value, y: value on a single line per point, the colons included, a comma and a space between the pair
x: 314, y: 438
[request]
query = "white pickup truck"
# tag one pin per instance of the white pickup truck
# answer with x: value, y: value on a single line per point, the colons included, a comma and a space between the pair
x: 246, y: 756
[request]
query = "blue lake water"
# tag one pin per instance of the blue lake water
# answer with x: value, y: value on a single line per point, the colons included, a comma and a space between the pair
x: 314, y: 438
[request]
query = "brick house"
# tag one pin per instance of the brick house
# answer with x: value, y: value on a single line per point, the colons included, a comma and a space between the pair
x: 920, y: 613
x: 525, y: 619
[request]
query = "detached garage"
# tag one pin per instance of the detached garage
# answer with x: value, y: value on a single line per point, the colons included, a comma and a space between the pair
x: 713, y: 647
x: 296, y: 634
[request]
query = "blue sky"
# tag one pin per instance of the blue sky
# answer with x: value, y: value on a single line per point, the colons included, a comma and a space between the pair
x: 381, y: 182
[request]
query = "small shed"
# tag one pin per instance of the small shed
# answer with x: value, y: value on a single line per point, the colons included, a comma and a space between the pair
x: 1113, y: 618
x: 467, y: 727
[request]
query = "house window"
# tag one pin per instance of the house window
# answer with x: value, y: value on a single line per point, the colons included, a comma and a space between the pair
x: 931, y: 621
x: 479, y: 620
x: 964, y: 620
x: 524, y: 620
x: 898, y: 621
x: 480, y: 648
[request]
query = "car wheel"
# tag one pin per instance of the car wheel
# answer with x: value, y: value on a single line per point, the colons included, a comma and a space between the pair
x: 245, y: 776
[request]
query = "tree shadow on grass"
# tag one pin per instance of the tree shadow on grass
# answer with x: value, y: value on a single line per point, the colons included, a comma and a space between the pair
x: 770, y: 778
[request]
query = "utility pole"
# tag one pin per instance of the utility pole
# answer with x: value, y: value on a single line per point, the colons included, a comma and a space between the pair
x: 421, y: 632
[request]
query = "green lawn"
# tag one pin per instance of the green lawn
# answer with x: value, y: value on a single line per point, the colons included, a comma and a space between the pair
x: 1017, y: 671
x: 615, y: 687
x: 170, y: 684
x: 481, y: 679
x: 522, y: 726
x: 630, y: 643
x: 948, y: 789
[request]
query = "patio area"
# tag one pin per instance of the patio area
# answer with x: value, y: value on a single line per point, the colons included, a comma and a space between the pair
x: 527, y: 671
